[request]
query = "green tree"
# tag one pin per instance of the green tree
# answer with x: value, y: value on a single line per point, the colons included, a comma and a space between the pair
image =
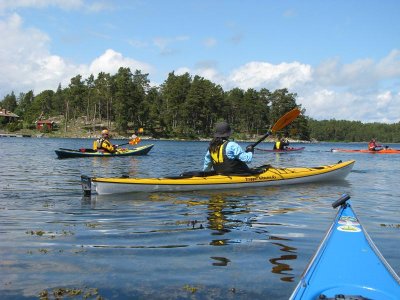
x: 281, y: 102
x: 152, y: 111
x: 103, y: 98
x: 174, y: 91
x: 9, y: 102
x: 24, y: 104
x: 202, y: 107
x: 138, y: 108
x: 90, y: 87
x: 59, y: 101
x: 75, y: 98
x: 123, y: 98
x: 42, y: 104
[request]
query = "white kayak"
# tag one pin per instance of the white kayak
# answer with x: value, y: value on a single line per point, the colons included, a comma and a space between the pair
x: 269, y: 177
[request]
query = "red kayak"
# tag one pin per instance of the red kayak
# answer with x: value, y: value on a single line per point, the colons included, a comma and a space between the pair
x: 382, y: 151
x: 288, y: 149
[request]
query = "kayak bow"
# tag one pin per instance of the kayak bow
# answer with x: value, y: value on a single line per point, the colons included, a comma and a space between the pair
x: 347, y: 264
x: 70, y: 153
x: 269, y: 177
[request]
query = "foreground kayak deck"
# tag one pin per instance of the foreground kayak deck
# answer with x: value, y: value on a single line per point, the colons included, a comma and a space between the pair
x: 382, y: 151
x: 347, y: 263
x: 270, y: 177
x: 70, y: 153
x: 287, y: 150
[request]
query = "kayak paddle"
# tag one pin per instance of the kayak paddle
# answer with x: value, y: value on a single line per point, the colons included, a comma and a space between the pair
x: 134, y: 140
x: 285, y: 120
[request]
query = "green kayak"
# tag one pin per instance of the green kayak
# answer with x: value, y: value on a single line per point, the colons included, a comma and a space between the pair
x: 84, y: 152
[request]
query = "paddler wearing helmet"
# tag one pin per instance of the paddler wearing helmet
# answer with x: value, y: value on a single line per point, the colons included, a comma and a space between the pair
x: 104, y: 144
x: 224, y: 156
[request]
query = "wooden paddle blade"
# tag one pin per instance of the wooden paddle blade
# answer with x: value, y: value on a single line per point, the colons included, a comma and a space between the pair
x: 135, y: 141
x: 286, y: 119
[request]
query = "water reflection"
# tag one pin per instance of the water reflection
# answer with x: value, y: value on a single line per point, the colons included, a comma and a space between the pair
x: 88, y: 202
x: 220, y: 213
x: 221, y: 261
x: 216, y: 216
x: 281, y: 268
x: 278, y: 266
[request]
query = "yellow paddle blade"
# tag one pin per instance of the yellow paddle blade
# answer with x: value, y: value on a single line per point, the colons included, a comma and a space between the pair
x: 286, y: 119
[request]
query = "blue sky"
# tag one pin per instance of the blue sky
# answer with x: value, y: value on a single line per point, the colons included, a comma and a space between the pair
x: 341, y: 57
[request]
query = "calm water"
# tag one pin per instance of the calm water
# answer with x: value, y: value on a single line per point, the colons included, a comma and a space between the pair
x: 238, y: 244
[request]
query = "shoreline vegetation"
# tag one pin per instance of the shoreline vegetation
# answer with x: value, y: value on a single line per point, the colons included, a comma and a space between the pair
x: 90, y: 136
x: 82, y: 130
x: 183, y: 107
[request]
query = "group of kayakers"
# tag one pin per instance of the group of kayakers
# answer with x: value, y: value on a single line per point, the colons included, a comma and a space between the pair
x: 223, y: 156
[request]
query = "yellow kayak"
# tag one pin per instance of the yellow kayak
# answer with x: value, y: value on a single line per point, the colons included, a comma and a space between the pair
x: 269, y: 177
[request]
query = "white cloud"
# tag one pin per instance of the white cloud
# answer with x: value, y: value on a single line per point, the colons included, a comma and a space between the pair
x: 263, y: 74
x: 27, y: 64
x: 25, y: 60
x: 360, y: 74
x: 389, y: 66
x: 333, y: 73
x: 110, y: 61
x: 330, y: 91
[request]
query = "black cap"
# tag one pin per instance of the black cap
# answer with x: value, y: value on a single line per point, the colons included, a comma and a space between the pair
x: 222, y: 129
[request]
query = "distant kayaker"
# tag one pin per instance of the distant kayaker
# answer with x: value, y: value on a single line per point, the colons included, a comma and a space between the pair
x: 281, y: 144
x: 224, y: 156
x: 104, y: 144
x: 373, y: 146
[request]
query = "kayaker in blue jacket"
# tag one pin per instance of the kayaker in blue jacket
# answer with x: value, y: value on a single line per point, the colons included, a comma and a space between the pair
x: 224, y: 156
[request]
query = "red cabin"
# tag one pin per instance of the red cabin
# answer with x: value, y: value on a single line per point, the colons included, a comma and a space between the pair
x: 42, y: 124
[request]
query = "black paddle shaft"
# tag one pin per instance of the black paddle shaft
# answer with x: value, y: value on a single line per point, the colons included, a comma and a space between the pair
x: 261, y: 139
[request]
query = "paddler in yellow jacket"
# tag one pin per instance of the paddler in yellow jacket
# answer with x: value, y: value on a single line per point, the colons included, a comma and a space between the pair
x: 104, y: 144
x: 227, y: 157
x: 281, y: 144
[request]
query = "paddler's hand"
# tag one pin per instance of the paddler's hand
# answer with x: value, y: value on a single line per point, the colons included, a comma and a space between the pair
x: 250, y: 148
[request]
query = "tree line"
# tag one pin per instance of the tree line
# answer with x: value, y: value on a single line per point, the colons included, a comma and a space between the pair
x: 353, y: 131
x: 183, y: 106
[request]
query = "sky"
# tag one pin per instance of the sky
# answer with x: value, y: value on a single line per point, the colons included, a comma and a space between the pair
x: 341, y: 57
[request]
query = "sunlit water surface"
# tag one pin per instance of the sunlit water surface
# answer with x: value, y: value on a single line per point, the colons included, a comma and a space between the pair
x: 228, y: 244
